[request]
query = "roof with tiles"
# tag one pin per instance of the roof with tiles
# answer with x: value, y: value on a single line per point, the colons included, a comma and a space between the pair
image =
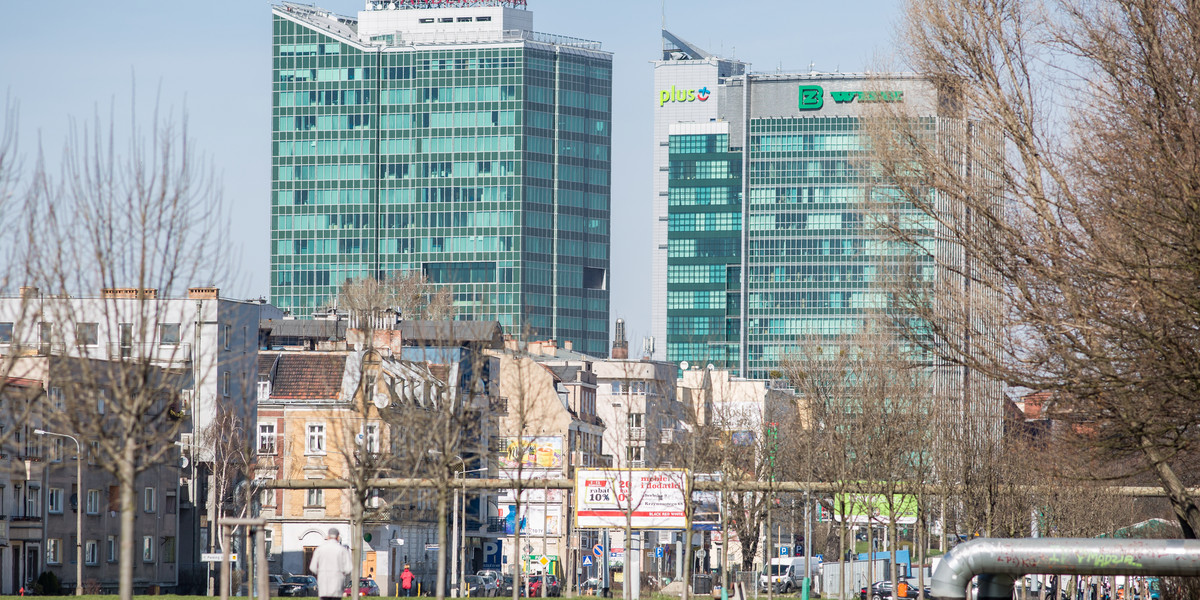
x: 304, y: 375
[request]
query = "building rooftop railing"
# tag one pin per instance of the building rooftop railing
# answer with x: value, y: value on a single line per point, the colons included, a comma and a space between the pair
x: 484, y: 37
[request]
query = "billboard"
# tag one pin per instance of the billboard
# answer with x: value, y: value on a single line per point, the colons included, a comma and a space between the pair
x: 864, y: 508
x: 651, y: 499
x: 706, y: 505
x: 532, y: 452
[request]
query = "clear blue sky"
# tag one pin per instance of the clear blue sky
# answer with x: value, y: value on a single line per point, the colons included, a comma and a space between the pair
x: 67, y: 58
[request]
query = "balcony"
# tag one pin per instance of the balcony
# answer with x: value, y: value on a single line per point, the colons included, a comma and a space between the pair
x: 159, y: 353
x: 637, y: 434
x: 668, y: 436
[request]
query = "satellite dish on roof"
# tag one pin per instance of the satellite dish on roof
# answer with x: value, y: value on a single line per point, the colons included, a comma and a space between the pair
x: 711, y: 367
x: 684, y: 365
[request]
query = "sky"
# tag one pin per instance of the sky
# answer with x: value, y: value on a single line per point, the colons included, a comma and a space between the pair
x: 68, y: 60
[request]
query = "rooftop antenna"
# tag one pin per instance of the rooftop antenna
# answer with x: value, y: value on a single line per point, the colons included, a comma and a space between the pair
x: 812, y: 67
x: 664, y: 14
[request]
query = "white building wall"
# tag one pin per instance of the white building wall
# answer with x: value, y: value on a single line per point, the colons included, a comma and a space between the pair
x: 686, y: 76
x: 430, y: 23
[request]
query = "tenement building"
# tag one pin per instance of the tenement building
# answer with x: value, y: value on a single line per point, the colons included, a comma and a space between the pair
x: 445, y: 138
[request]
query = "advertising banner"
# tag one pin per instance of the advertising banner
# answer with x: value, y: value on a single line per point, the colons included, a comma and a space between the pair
x: 651, y: 499
x: 706, y: 506
x: 875, y: 508
x: 533, y: 453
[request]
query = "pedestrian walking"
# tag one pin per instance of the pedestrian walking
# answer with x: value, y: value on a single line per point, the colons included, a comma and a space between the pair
x: 406, y: 582
x: 331, y: 564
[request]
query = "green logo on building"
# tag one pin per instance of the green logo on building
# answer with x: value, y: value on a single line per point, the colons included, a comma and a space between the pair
x: 812, y: 97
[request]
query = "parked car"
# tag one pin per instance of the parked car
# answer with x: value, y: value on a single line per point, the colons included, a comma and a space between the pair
x: 274, y: 582
x: 553, y: 588
x: 301, y: 586
x: 478, y: 586
x: 366, y: 587
x: 882, y: 590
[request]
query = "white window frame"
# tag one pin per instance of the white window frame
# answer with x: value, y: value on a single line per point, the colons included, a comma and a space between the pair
x: 148, y: 548
x: 57, y: 399
x: 91, y: 553
x: 54, y: 551
x: 150, y: 500
x: 33, y: 502
x: 314, y: 498
x: 54, y: 501
x: 269, y: 542
x: 79, y: 341
x: 267, y: 439
x: 314, y: 439
x: 93, y: 502
x: 114, y: 549
x: 371, y: 438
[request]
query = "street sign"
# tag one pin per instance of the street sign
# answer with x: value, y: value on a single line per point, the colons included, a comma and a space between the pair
x: 431, y: 546
x: 658, y: 552
x: 545, y: 560
x: 587, y: 561
x: 216, y: 557
x: 783, y: 550
x: 598, y: 550
x: 398, y: 542
x: 701, y: 553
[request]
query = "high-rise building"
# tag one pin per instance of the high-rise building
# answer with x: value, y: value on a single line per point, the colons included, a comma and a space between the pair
x: 447, y: 138
x: 764, y: 210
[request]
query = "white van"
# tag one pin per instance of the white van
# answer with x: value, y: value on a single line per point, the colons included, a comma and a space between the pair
x: 785, y: 573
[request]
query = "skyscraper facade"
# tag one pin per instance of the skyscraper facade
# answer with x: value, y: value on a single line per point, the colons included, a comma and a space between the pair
x: 450, y: 139
x: 769, y: 230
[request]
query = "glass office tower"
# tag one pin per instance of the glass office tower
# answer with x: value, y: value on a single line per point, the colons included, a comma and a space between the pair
x: 450, y: 139
x: 768, y: 221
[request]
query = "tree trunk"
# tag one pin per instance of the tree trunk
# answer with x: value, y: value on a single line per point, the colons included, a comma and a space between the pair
x: 128, y: 493
x: 441, y: 557
x: 894, y: 572
x: 842, y: 552
x: 355, y: 541
x: 1185, y: 508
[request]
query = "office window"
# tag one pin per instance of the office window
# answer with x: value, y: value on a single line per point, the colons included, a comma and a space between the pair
x: 54, y: 501
x: 266, y: 438
x: 168, y: 553
x: 91, y: 553
x: 150, y: 500
x: 87, y: 334
x: 168, y: 334
x: 147, y: 548
x: 316, y: 439
x: 113, y: 549
x: 54, y: 551
x: 93, y: 502
x: 6, y: 333
x: 314, y: 499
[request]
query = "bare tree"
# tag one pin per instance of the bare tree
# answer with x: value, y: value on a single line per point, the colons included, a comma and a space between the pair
x: 143, y: 219
x: 1071, y: 187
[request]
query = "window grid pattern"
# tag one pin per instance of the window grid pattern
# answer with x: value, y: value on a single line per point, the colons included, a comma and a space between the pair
x: 494, y: 158
x: 703, y: 250
x: 816, y: 263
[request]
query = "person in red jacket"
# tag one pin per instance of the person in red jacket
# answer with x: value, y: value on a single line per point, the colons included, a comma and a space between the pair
x: 406, y: 582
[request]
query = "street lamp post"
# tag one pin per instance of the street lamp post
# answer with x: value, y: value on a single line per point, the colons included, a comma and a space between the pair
x: 79, y: 500
x: 460, y: 554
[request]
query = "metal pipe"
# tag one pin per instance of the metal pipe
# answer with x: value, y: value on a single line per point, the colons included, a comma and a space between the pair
x: 1003, y: 560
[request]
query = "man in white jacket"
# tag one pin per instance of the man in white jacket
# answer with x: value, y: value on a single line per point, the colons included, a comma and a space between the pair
x: 331, y: 564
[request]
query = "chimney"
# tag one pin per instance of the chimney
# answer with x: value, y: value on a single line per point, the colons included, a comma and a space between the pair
x: 28, y: 292
x: 569, y: 346
x: 203, y: 293
x: 129, y: 293
x: 620, y: 348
